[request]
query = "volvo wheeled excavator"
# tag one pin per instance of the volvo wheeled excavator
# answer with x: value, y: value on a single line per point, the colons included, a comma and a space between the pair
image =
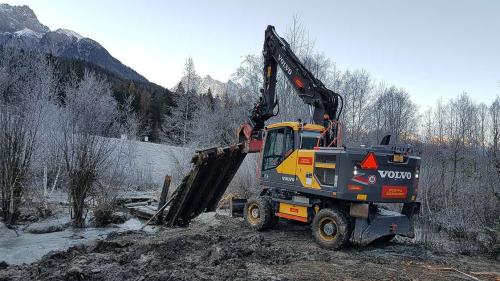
x: 306, y: 173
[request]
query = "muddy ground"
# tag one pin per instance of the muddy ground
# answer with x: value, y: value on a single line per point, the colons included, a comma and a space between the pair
x: 221, y: 248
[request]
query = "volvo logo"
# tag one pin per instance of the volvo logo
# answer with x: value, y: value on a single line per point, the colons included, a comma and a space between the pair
x: 285, y: 66
x: 288, y: 179
x: 395, y: 174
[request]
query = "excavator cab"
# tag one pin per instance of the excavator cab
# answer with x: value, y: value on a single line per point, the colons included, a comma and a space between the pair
x: 287, y: 147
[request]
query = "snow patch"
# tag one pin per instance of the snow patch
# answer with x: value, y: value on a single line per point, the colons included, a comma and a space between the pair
x: 69, y: 33
x: 217, y: 87
x: 28, y: 33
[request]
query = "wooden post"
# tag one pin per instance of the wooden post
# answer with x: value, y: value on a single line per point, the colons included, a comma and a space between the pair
x: 163, y: 197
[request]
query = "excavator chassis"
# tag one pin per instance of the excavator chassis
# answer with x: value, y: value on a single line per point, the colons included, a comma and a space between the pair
x: 368, y: 222
x: 214, y: 168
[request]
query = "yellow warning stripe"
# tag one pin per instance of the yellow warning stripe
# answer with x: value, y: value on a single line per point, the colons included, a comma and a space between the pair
x: 325, y: 165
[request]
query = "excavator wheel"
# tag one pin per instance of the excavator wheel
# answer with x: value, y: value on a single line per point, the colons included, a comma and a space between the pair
x: 331, y: 228
x: 258, y: 213
x: 274, y: 219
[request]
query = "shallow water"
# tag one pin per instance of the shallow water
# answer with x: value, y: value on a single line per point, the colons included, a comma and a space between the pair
x: 27, y: 247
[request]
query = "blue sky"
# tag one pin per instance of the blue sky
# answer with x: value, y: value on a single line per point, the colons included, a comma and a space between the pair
x: 431, y: 48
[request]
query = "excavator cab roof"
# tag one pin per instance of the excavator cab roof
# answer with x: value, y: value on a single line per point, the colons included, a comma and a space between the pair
x: 297, y: 126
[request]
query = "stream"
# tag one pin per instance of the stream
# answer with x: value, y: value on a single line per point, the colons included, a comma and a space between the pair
x: 27, y: 247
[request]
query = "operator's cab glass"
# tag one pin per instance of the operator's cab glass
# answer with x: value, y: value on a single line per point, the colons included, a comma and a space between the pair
x: 279, y: 144
x: 309, y: 139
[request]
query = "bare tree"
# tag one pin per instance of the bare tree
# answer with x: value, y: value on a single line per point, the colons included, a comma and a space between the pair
x: 249, y: 75
x: 177, y: 123
x: 131, y: 122
x: 27, y: 86
x: 88, y: 116
x: 495, y: 134
x: 394, y: 114
x: 356, y: 90
x: 17, y: 141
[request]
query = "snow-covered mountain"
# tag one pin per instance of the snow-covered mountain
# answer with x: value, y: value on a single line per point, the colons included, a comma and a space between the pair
x: 16, y: 18
x: 217, y: 87
x: 20, y: 28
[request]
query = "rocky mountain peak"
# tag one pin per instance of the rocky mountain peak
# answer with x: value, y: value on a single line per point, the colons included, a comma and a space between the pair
x: 20, y: 28
x: 19, y: 18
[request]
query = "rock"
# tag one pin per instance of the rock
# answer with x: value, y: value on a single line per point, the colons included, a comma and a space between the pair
x: 28, y: 215
x: 119, y: 217
x: 3, y: 265
x: 6, y: 232
x: 113, y: 220
x: 44, y: 212
x: 75, y: 273
x: 209, y: 219
x: 41, y: 228
x: 216, y: 255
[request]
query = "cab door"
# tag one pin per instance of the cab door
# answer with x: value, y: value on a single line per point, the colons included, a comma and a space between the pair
x: 278, y: 157
x: 306, y: 160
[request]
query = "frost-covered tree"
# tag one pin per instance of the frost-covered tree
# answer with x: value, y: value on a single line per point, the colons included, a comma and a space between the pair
x: 177, y: 124
x: 88, y: 116
x: 249, y: 75
x: 130, y: 121
x: 27, y: 86
x: 215, y: 122
x: 190, y: 76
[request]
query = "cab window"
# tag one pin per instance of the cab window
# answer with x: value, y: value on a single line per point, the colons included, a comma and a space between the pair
x: 278, y: 143
x: 308, y: 139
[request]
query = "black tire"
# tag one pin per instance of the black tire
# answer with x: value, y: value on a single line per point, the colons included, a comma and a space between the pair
x: 274, y: 219
x: 331, y: 228
x: 258, y: 213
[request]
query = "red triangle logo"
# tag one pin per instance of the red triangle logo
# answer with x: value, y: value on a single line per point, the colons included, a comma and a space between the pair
x: 370, y: 162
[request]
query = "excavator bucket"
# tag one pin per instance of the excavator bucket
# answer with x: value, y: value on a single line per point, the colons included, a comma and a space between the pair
x: 201, y: 190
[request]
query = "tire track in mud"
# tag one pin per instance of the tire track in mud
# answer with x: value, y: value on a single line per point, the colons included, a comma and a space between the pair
x: 228, y: 250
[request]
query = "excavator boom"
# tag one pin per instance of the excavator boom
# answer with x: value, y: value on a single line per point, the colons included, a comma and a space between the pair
x: 325, y: 103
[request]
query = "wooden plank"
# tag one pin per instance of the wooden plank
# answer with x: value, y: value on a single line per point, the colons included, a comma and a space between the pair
x: 200, y: 191
x: 163, y: 198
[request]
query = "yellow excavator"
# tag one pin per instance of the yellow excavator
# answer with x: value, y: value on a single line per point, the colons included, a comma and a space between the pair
x: 306, y: 173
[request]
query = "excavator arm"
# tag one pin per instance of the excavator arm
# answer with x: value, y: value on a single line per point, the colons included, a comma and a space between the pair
x: 324, y: 102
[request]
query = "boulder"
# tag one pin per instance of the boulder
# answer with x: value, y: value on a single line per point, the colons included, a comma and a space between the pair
x: 119, y: 217
x: 47, y: 227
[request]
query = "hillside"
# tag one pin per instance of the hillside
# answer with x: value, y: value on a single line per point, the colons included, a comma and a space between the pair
x: 20, y: 28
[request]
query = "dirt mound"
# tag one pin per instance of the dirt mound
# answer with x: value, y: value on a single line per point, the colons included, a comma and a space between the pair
x: 230, y: 251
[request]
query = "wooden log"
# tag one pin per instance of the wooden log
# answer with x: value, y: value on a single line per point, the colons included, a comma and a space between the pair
x: 137, y: 204
x: 163, y: 197
x: 143, y: 212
